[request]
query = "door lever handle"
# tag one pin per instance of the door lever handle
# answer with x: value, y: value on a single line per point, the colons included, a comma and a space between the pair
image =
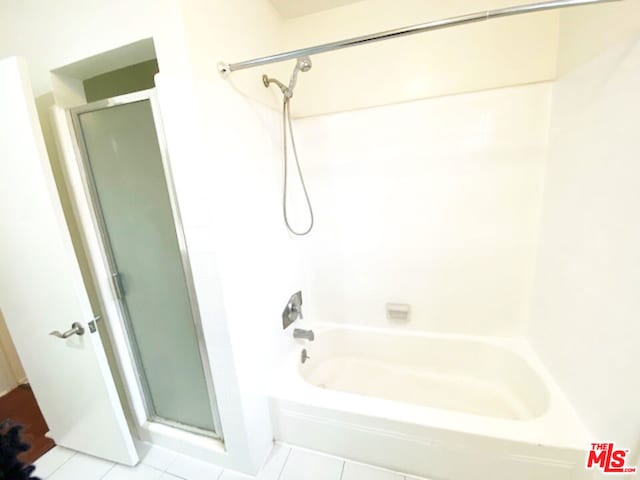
x: 76, y: 329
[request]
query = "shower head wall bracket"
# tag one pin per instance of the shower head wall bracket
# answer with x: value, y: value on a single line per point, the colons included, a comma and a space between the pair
x: 286, y: 91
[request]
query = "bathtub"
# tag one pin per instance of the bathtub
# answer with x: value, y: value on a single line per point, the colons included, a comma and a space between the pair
x: 439, y: 406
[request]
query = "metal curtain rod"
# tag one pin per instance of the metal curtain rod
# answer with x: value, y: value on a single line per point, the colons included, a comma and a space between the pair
x: 226, y: 68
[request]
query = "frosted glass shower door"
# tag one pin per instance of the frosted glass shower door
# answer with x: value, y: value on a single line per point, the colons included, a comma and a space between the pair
x: 131, y: 199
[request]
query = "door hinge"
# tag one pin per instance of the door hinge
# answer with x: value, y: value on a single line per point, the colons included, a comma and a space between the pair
x: 116, y: 279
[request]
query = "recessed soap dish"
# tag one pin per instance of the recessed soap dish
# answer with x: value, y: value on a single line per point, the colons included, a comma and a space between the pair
x: 398, y: 312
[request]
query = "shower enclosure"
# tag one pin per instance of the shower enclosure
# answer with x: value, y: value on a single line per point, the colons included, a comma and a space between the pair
x: 126, y: 175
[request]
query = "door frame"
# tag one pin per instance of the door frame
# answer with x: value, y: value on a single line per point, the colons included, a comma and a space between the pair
x: 102, y: 262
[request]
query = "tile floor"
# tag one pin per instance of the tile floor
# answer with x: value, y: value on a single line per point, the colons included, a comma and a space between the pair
x: 159, y: 464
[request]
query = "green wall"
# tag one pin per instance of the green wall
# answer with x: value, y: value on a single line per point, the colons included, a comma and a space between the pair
x: 118, y: 82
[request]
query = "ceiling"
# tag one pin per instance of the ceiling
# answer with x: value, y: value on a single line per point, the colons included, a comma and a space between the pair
x: 297, y: 8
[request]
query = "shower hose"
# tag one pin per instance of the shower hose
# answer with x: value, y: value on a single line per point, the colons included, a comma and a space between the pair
x: 286, y: 124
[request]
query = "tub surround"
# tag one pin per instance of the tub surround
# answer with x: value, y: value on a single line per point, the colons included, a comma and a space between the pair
x: 586, y: 289
x: 433, y: 203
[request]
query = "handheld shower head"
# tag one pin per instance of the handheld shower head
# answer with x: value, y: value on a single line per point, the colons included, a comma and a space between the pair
x: 303, y: 64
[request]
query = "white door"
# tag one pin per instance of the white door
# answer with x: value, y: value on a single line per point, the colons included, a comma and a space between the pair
x: 41, y: 289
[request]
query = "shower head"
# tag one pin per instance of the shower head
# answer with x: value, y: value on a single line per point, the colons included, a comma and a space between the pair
x: 303, y: 64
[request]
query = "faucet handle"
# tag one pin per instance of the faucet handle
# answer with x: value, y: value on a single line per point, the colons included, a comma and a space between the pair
x: 293, y: 310
x: 296, y: 310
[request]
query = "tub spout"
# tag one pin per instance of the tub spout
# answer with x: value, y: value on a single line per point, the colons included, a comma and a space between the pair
x: 306, y: 334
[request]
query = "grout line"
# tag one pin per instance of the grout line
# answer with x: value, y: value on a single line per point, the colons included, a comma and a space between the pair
x: 176, y: 455
x: 152, y: 467
x: 163, y: 470
x: 397, y: 473
x: 170, y: 464
x: 285, y: 463
x: 315, y: 452
x: 344, y: 463
x: 174, y: 475
x: 62, y: 464
x: 107, y: 472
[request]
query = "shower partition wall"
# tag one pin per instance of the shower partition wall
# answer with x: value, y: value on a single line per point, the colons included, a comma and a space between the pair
x: 127, y: 178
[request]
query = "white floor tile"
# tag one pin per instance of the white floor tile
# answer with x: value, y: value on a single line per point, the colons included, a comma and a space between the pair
x: 275, y: 463
x: 303, y: 465
x: 51, y: 461
x: 234, y: 476
x: 192, y: 469
x: 139, y: 472
x: 82, y: 466
x: 283, y: 463
x: 158, y: 457
x: 356, y: 471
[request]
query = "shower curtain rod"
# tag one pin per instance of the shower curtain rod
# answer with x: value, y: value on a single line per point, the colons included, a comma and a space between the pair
x: 226, y: 68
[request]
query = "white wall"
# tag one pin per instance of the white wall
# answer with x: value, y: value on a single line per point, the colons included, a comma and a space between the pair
x: 52, y: 35
x: 433, y: 203
x: 584, y: 319
x: 229, y: 189
x: 240, y: 175
x: 586, y: 33
x: 474, y: 57
x: 219, y: 30
x: 508, y: 51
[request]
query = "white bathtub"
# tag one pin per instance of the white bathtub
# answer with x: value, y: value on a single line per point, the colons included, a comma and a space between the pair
x: 438, y: 406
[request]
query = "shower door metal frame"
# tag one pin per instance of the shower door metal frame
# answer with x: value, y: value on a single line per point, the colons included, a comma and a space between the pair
x: 91, y: 195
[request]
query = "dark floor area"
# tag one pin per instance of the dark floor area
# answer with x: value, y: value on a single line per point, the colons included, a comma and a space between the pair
x: 20, y: 407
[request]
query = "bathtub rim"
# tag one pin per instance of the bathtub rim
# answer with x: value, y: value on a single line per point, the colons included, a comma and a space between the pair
x: 559, y: 426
